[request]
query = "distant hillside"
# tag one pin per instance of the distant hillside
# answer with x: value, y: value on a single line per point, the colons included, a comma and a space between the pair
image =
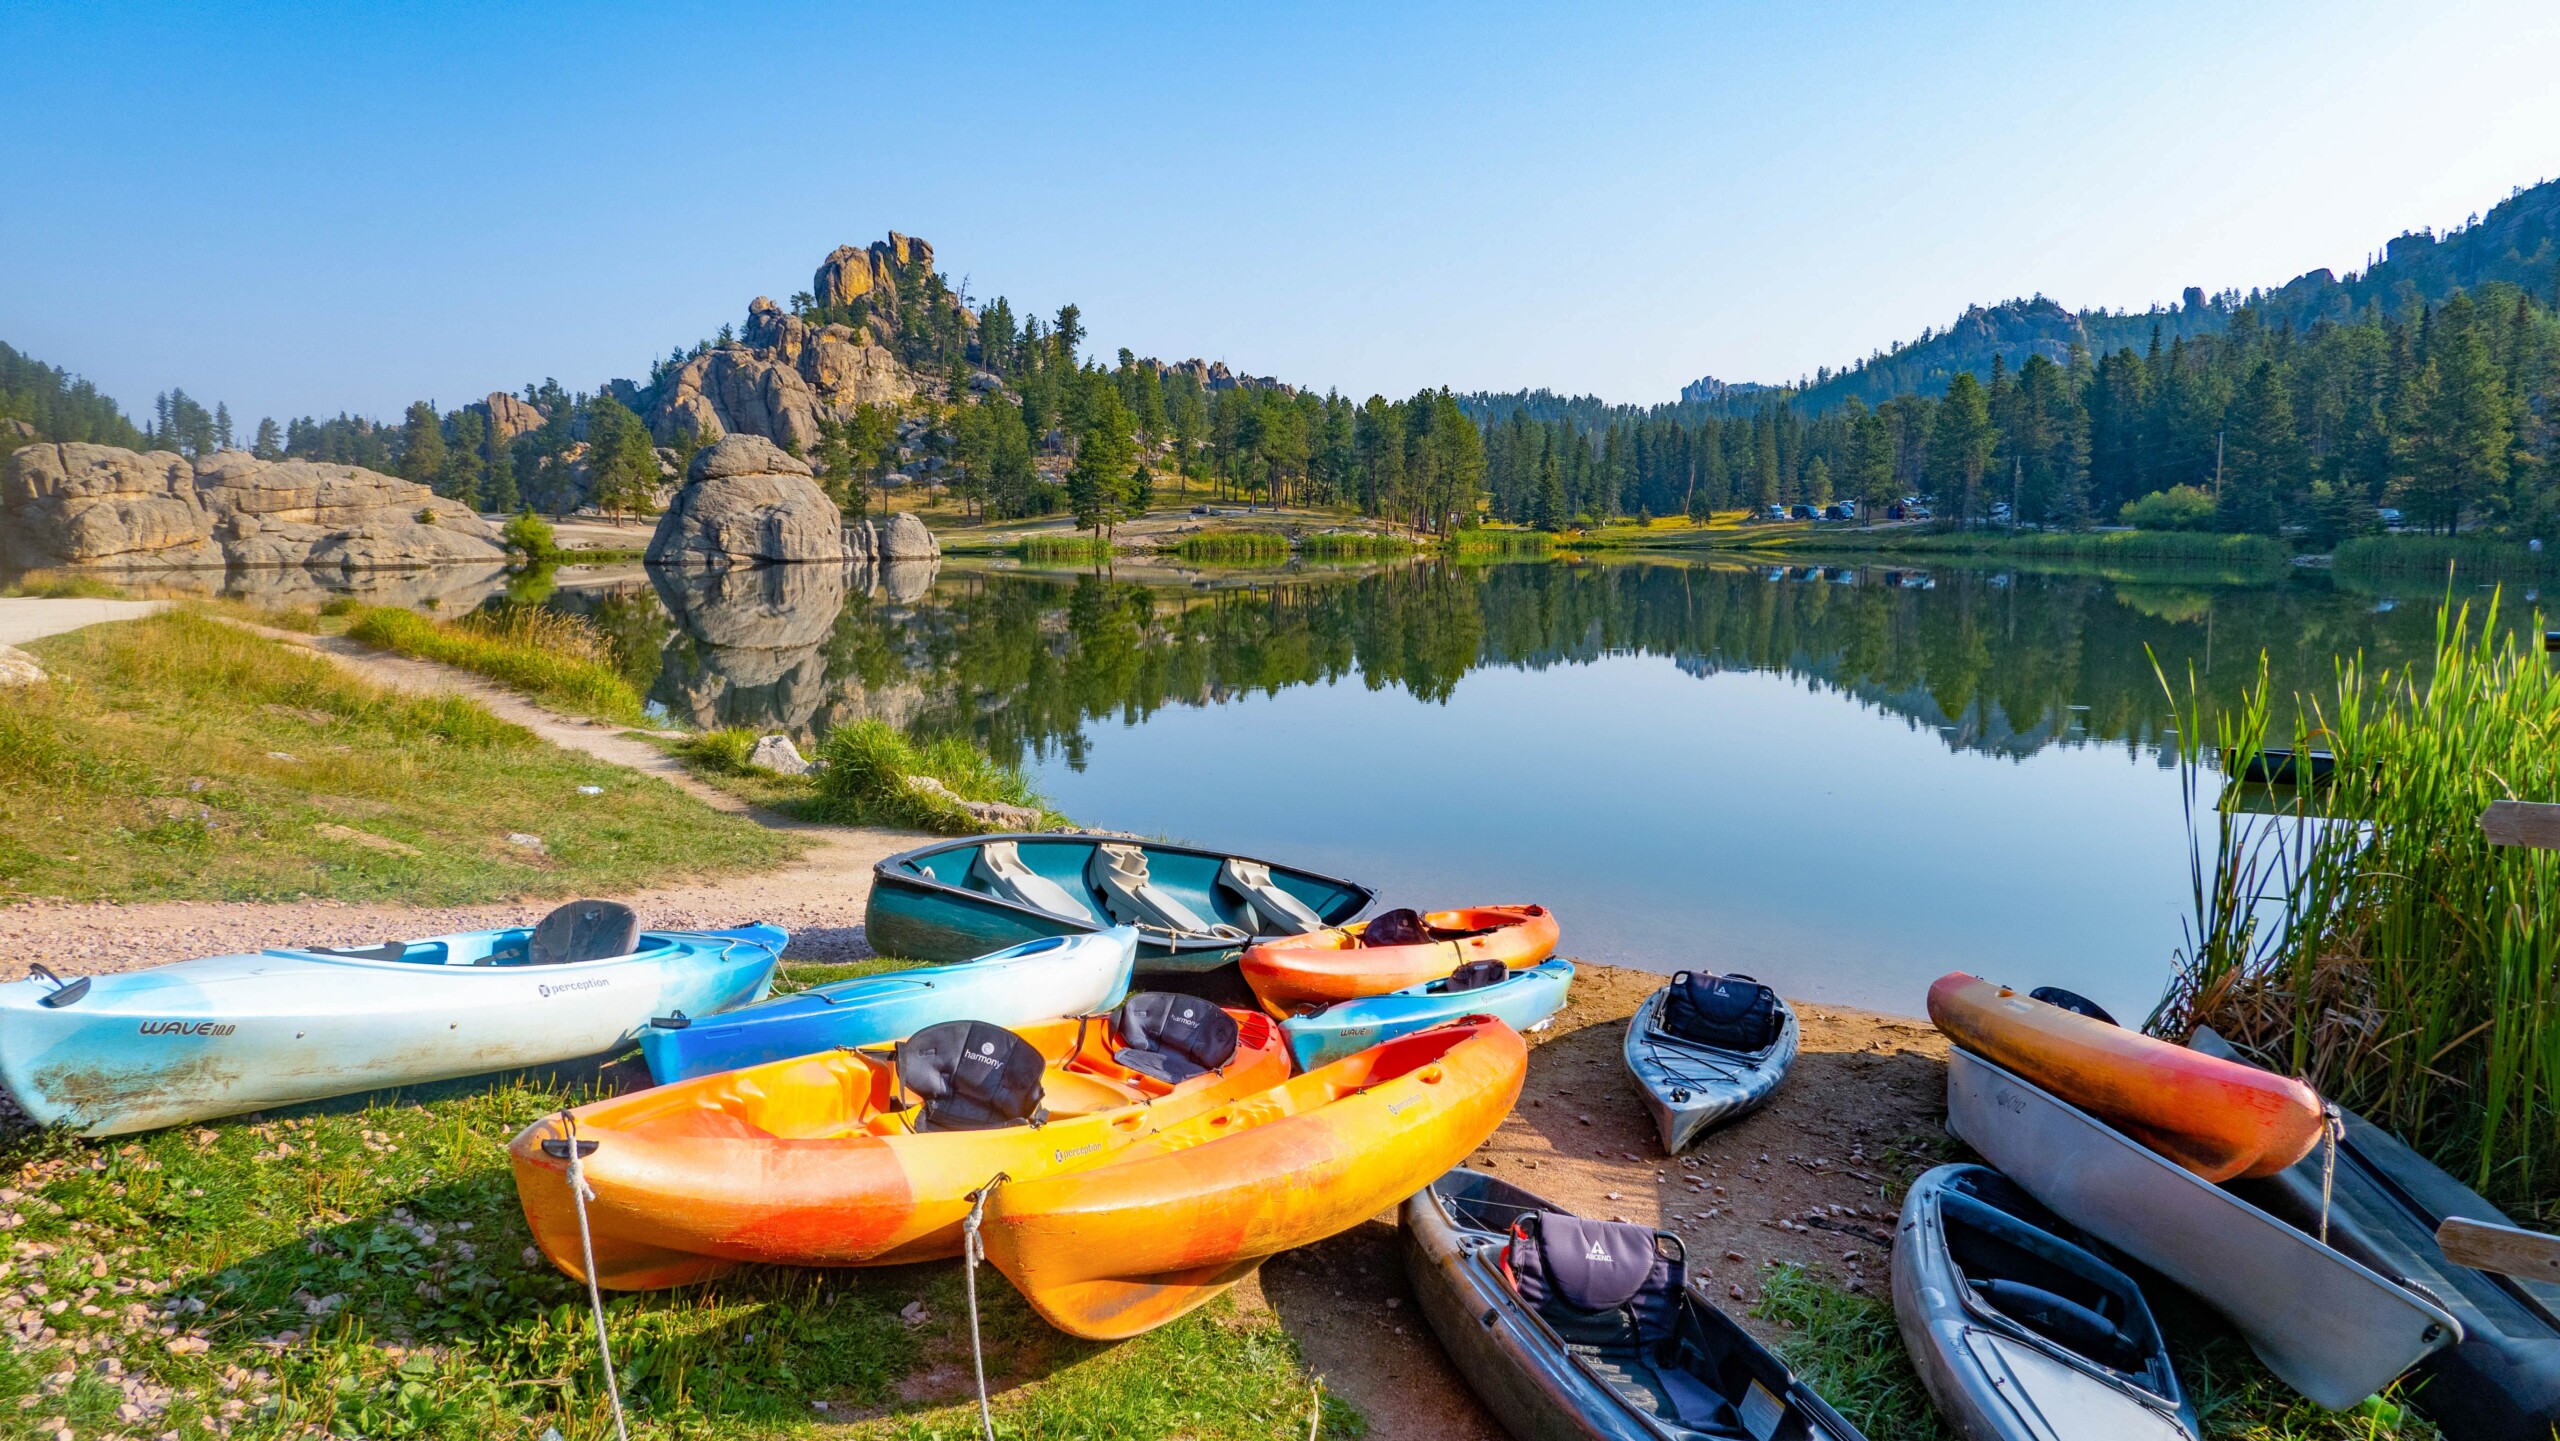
x: 2518, y: 241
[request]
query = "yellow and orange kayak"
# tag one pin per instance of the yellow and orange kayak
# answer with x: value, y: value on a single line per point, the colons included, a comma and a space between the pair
x: 1322, y: 967
x: 1172, y: 1220
x: 812, y: 1161
x: 2217, y: 1118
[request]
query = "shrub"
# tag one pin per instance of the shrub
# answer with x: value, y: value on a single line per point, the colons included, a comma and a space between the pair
x: 863, y: 780
x: 725, y: 751
x: 2180, y: 507
x: 530, y: 536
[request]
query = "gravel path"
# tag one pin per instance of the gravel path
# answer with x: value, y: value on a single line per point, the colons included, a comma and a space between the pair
x: 26, y: 618
x: 818, y: 898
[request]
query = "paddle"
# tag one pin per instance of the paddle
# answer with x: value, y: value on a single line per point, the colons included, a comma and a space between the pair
x: 2507, y: 1250
x: 2535, y: 824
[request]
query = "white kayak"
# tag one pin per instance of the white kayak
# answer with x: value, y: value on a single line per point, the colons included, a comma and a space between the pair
x: 108, y: 1054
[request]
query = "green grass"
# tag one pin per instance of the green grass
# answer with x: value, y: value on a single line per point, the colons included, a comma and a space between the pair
x: 176, y: 757
x: 553, y: 658
x: 864, y: 781
x: 2431, y: 557
x: 1500, y: 543
x: 2406, y: 966
x: 1062, y: 548
x: 2184, y: 547
x: 63, y: 585
x: 1354, y: 545
x: 720, y: 757
x: 1846, y: 1346
x: 1233, y: 546
x: 359, y: 1268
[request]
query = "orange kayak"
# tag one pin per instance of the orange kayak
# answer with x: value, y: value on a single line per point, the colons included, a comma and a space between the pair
x: 1174, y: 1219
x: 2219, y: 1119
x: 1322, y: 967
x: 816, y: 1161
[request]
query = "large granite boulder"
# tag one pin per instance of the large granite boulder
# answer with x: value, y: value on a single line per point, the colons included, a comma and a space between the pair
x: 748, y: 502
x: 900, y: 537
x: 99, y: 505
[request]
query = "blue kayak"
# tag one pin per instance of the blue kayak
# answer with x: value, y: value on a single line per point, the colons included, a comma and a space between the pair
x: 1040, y: 980
x: 220, y: 1035
x: 1524, y: 998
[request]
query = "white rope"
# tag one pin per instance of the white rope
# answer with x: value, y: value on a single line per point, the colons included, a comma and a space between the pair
x: 973, y: 1251
x: 580, y: 1193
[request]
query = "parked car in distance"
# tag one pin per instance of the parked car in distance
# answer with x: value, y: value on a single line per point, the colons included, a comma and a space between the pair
x: 2000, y: 512
x: 1803, y: 512
x: 1841, y: 510
x: 1777, y: 512
x: 1906, y: 510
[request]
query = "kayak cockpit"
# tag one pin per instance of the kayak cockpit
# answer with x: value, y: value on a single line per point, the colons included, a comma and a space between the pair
x: 574, y: 934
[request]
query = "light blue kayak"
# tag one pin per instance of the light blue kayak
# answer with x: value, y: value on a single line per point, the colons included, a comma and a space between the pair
x: 1038, y: 980
x: 1525, y: 999
x: 108, y: 1054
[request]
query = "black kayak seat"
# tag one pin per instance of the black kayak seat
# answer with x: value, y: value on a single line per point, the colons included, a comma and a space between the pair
x: 2071, y: 1001
x: 387, y: 951
x: 584, y: 931
x: 1173, y: 1037
x: 1473, y: 976
x: 970, y: 1076
x: 2047, y: 1284
x: 2074, y: 1326
x: 1400, y: 927
x: 1615, y: 1293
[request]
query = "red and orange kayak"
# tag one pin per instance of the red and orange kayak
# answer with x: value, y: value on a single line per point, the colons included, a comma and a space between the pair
x: 1322, y: 967
x: 1173, y: 1219
x: 812, y: 1162
x: 2219, y: 1119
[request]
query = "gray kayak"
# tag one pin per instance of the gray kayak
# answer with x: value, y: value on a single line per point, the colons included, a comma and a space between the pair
x: 1545, y: 1386
x: 1690, y: 1088
x: 2328, y: 1326
x: 2018, y: 1328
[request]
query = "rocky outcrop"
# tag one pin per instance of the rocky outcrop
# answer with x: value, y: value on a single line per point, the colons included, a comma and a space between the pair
x: 785, y: 376
x: 900, y: 537
x: 748, y: 502
x: 99, y: 505
x: 508, y: 416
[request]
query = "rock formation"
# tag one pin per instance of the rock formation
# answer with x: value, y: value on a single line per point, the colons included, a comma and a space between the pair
x: 99, y: 505
x: 848, y: 275
x: 748, y: 502
x: 900, y: 537
x: 508, y: 416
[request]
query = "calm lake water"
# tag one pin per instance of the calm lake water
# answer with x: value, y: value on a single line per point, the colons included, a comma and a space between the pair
x: 1845, y: 780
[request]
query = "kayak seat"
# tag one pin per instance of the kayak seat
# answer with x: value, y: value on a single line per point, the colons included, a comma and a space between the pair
x: 2045, y: 1283
x: 1275, y: 911
x: 970, y: 1076
x: 1400, y: 927
x: 1173, y: 1037
x: 1131, y: 896
x: 999, y: 867
x: 583, y: 931
x: 2071, y: 1001
x: 1473, y: 976
x: 387, y: 951
x: 1597, y: 1282
x: 1730, y: 1013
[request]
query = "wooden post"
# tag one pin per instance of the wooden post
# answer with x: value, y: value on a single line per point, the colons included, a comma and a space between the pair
x: 2507, y: 1250
x: 2534, y: 824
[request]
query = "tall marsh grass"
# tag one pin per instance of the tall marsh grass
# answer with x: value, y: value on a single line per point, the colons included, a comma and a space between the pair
x: 2429, y: 557
x: 1501, y: 542
x: 1354, y: 545
x: 1055, y: 548
x: 1233, y: 546
x: 2369, y: 938
x: 2185, y: 547
x: 560, y: 660
x: 864, y: 771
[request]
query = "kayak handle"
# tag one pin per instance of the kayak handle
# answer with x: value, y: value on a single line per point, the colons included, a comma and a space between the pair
x: 559, y: 1150
x: 63, y: 992
x: 675, y: 1022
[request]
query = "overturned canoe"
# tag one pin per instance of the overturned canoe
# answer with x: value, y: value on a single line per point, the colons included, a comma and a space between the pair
x: 1170, y: 1221
x: 2018, y: 1328
x: 225, y: 1034
x: 1319, y: 968
x: 1194, y: 909
x: 2329, y: 1326
x: 1691, y: 1087
x: 1525, y: 1000
x: 1041, y: 980
x: 1660, y: 1363
x: 843, y: 1158
x: 2383, y: 1204
x: 2217, y: 1118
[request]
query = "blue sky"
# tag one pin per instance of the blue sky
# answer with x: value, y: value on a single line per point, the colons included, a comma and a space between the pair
x: 313, y: 209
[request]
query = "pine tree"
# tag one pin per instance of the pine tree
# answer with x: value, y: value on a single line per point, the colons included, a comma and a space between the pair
x: 1960, y: 441
x: 270, y: 442
x: 461, y: 479
x: 422, y: 444
x: 2265, y: 470
x: 1098, y: 483
x: 622, y: 467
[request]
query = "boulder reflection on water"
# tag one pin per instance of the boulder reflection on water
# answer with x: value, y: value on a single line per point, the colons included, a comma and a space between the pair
x: 750, y: 646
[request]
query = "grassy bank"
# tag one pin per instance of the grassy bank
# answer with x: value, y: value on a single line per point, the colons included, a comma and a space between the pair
x: 362, y: 1268
x: 559, y: 660
x: 1354, y: 545
x: 2432, y: 557
x: 2406, y: 966
x: 1490, y: 544
x: 1055, y: 549
x: 1233, y: 546
x: 861, y: 778
x: 62, y: 585
x: 180, y: 758
x: 2178, y: 547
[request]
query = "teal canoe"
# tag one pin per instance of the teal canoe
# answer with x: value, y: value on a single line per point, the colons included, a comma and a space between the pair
x: 1194, y: 910
x: 1525, y: 1000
